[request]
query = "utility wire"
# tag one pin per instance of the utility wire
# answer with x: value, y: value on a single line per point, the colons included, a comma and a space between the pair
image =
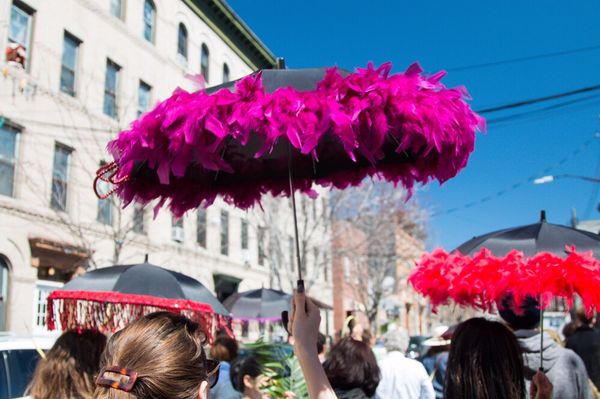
x: 524, y: 59
x: 522, y: 183
x: 538, y: 100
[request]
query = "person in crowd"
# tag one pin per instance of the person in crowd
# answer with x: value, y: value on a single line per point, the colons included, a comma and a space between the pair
x: 568, y: 329
x: 402, y: 377
x: 563, y: 367
x: 585, y: 341
x: 321, y: 342
x: 352, y: 369
x: 485, y: 362
x: 69, y: 368
x: 247, y: 378
x: 435, y: 359
x: 158, y: 356
x: 224, y: 350
x: 353, y: 328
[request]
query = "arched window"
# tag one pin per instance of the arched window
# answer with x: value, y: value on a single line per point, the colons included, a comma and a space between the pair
x: 225, y: 73
x: 204, y: 59
x: 182, y: 41
x: 3, y: 291
x: 149, y: 21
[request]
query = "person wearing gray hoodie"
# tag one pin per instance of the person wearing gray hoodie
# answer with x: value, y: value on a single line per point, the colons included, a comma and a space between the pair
x: 563, y: 367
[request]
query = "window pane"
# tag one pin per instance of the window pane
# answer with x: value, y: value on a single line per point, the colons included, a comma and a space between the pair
x: 70, y: 46
x: 244, y: 234
x: 19, y: 26
x: 204, y: 63
x: 182, y: 39
x: 8, y: 142
x: 7, y: 176
x: 144, y: 92
x: 116, y: 8
x: 224, y: 233
x: 149, y: 17
x: 225, y: 73
x: 67, y: 81
x: 138, y: 219
x: 104, y: 206
x: 110, y: 88
x: 201, y: 227
x: 261, y: 245
x: 58, y: 199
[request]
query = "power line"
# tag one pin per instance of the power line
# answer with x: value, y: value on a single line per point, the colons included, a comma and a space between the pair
x: 524, y: 59
x: 521, y: 183
x: 538, y: 100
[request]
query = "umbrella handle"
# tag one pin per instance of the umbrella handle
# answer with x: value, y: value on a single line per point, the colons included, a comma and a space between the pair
x: 541, y: 336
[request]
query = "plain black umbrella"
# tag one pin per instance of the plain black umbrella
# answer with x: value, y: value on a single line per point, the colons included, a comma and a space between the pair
x: 533, y: 239
x: 262, y: 304
x: 146, y: 279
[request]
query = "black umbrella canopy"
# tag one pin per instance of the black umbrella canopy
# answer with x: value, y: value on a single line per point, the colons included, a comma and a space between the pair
x: 260, y: 304
x: 273, y: 79
x: 534, y: 238
x: 146, y: 279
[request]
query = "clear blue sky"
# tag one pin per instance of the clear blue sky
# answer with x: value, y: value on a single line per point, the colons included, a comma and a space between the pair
x: 450, y: 34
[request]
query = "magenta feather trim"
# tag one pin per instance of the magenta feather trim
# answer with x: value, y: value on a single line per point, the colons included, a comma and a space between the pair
x: 195, y: 147
x: 483, y: 280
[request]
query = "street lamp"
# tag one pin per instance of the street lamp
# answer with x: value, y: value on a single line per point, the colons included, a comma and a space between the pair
x: 551, y: 178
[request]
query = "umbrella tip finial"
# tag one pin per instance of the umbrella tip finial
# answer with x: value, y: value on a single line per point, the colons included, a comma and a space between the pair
x: 542, y: 215
x: 280, y: 63
x: 145, y: 258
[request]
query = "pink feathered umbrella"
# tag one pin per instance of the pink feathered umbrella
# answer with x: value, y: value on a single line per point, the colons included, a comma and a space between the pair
x: 280, y: 131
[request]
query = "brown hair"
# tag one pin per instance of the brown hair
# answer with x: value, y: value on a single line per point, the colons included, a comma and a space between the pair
x: 165, y: 350
x: 224, y: 349
x: 70, y: 367
x: 584, y: 317
x: 352, y: 364
x: 484, y: 362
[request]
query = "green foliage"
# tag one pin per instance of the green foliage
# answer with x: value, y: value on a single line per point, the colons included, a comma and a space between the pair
x: 281, y: 367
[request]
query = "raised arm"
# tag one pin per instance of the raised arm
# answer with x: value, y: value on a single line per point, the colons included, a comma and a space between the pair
x: 304, y: 326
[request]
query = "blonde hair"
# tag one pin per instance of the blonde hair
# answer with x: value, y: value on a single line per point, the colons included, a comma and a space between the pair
x: 165, y: 350
x: 69, y: 369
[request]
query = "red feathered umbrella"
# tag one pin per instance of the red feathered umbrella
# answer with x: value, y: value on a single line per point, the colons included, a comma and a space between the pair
x: 545, y: 265
x: 279, y: 131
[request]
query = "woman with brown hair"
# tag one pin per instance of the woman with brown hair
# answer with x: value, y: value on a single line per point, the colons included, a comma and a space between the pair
x: 69, y: 368
x: 159, y: 356
x: 485, y: 361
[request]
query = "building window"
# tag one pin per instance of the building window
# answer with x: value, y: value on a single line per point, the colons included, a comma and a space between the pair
x: 116, y: 8
x: 111, y: 83
x: 226, y: 77
x: 69, y: 63
x: 19, y: 35
x: 292, y: 252
x: 346, y: 266
x: 60, y: 177
x: 224, y: 233
x: 3, y: 292
x: 8, y: 158
x: 201, y: 227
x: 204, y: 60
x: 177, y: 232
x: 42, y: 290
x: 144, y: 96
x: 105, y: 214
x: 244, y: 234
x: 149, y: 20
x: 182, y: 41
x: 138, y: 219
x: 261, y: 236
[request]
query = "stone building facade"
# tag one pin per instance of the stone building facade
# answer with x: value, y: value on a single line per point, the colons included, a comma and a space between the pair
x: 75, y: 73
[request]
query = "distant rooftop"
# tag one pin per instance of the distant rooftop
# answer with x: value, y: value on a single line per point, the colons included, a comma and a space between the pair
x: 592, y: 226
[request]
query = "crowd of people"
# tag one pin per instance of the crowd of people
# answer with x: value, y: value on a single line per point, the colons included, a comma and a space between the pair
x: 162, y: 356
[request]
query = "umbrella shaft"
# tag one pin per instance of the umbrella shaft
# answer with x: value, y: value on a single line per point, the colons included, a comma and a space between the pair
x: 293, y: 198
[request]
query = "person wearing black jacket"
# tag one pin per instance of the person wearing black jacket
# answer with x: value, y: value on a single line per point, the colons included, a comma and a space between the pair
x: 585, y: 341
